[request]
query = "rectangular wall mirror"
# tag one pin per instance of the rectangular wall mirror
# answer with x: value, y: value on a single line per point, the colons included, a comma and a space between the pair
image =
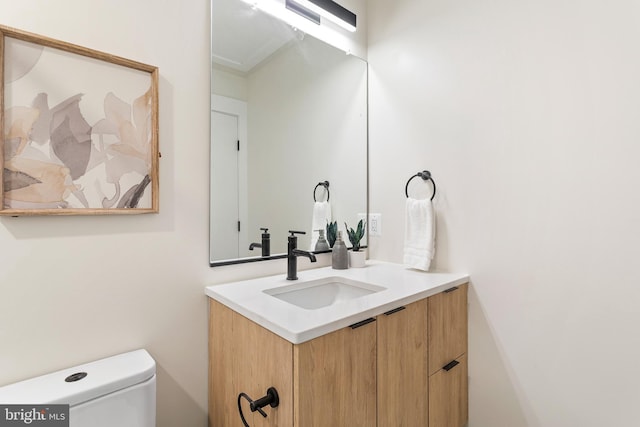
x: 288, y: 111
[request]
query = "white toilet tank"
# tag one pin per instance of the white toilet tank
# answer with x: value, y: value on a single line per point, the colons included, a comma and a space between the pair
x: 118, y: 391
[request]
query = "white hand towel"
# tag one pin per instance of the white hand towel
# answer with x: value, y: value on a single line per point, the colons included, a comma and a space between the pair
x: 321, y: 215
x: 420, y: 233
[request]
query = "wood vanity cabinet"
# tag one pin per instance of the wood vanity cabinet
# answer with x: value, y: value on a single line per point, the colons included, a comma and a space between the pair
x: 405, y: 368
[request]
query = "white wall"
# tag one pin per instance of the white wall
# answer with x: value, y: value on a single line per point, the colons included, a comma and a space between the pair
x: 527, y: 115
x: 74, y: 289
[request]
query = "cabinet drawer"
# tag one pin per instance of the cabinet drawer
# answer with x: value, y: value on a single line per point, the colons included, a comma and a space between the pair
x: 447, y: 326
x: 448, y: 403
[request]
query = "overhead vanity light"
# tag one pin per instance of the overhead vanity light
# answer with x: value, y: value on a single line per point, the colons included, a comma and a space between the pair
x: 332, y: 11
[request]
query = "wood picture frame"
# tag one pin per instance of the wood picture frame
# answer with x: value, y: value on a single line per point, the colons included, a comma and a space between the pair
x: 78, y: 129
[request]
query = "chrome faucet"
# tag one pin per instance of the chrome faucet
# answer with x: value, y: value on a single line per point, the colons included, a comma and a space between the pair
x: 293, y: 253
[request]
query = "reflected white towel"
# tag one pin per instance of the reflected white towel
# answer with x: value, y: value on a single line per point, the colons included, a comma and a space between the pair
x: 321, y: 215
x: 420, y: 233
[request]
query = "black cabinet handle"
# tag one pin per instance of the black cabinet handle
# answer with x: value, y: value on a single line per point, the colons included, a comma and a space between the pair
x: 395, y: 310
x: 455, y: 288
x: 449, y: 366
x: 362, y: 323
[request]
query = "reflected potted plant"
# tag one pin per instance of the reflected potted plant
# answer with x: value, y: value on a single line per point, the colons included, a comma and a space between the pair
x: 332, y: 232
x: 356, y: 256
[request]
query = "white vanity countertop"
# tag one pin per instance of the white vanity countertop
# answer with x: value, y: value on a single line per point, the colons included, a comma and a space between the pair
x: 297, y: 325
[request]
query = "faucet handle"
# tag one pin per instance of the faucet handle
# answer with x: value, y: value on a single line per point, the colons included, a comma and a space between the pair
x: 294, y: 232
x: 264, y: 229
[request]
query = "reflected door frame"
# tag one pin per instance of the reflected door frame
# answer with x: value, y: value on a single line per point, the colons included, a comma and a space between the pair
x: 237, y: 108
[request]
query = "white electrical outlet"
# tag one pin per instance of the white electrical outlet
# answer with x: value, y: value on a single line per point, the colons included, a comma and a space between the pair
x: 374, y: 223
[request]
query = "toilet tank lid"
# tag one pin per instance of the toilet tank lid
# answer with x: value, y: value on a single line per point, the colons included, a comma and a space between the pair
x: 103, y: 377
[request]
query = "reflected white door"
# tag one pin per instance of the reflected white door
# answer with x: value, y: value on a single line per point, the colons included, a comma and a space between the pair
x: 225, y: 218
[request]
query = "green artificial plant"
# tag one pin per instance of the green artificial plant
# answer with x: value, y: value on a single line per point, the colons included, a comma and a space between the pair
x: 356, y: 235
x: 332, y: 232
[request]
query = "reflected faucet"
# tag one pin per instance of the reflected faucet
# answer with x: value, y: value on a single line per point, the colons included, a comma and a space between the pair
x: 293, y: 253
x: 265, y: 245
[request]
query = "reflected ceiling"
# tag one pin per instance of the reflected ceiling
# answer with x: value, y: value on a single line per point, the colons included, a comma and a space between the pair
x: 239, y: 47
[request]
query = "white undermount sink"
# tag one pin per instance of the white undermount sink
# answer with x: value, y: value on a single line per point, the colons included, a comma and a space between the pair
x: 315, y: 294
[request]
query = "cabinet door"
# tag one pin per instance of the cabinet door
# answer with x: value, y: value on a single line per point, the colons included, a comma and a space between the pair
x: 221, y: 401
x: 334, y: 379
x: 245, y: 357
x: 402, y: 367
x: 447, y: 313
x: 448, y: 390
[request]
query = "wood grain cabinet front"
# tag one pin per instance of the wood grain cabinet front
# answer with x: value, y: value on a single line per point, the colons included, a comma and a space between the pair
x: 448, y: 372
x: 404, y: 368
x: 246, y: 358
x: 328, y: 381
x: 448, y: 387
x: 334, y: 379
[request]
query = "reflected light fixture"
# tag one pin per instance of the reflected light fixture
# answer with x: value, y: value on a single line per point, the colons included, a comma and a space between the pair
x: 330, y: 10
x: 297, y: 19
x: 305, y: 24
x: 302, y: 11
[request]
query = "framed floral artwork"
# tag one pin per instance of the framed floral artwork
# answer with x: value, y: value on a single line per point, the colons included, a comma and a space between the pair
x: 78, y: 129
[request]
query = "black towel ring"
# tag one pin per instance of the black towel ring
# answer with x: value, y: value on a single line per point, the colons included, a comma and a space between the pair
x: 324, y: 184
x: 426, y: 176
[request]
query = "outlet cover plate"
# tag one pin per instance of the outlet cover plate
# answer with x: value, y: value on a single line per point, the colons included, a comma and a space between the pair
x: 374, y: 223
